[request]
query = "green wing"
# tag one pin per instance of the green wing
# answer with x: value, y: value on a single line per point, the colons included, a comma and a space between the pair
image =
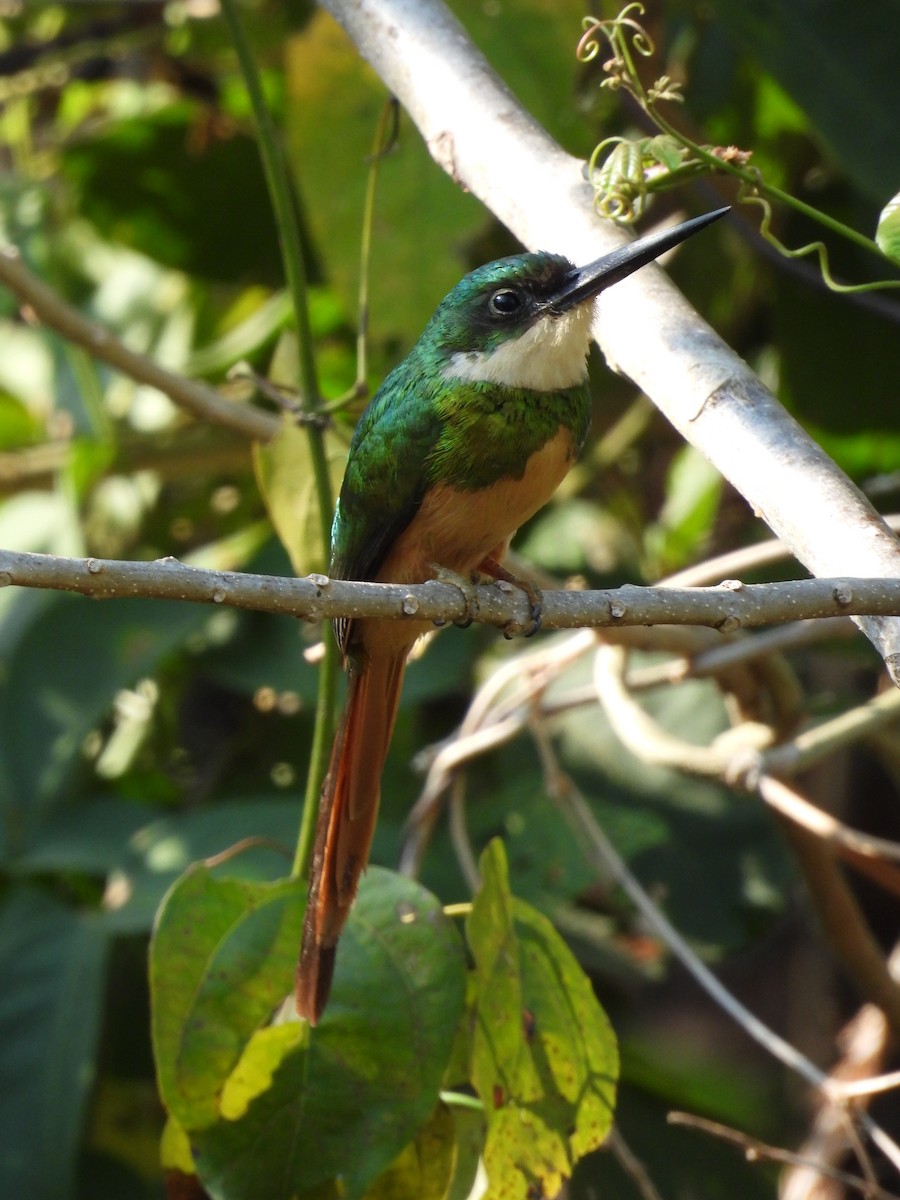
x: 385, y: 481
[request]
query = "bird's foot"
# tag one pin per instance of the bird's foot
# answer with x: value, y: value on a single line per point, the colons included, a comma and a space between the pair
x: 464, y: 585
x: 500, y: 574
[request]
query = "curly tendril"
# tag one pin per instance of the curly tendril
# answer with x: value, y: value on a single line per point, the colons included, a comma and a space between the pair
x: 614, y: 31
x: 619, y: 183
x: 623, y: 173
x: 748, y: 193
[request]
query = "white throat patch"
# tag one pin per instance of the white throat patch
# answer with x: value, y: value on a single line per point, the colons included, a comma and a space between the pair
x: 548, y: 356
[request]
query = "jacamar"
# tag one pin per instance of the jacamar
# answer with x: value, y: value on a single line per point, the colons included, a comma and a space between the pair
x: 464, y: 441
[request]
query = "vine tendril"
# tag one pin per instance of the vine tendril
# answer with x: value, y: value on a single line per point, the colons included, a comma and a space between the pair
x: 624, y: 172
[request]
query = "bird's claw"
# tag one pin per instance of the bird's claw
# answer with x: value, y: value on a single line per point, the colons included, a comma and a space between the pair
x: 513, y: 628
x: 464, y: 585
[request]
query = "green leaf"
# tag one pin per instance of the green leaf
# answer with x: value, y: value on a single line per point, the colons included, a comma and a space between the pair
x: 220, y: 961
x: 345, y: 1103
x: 888, y: 233
x: 693, y: 492
x: 17, y: 426
x: 285, y: 476
x: 424, y: 1169
x: 91, y: 837
x: 49, y: 701
x: 544, y: 1058
x: 148, y: 184
x: 54, y: 972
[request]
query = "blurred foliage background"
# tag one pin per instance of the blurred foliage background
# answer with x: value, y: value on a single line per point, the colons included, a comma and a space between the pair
x: 137, y: 736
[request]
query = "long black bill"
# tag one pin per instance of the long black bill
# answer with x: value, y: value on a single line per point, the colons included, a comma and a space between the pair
x: 585, y: 282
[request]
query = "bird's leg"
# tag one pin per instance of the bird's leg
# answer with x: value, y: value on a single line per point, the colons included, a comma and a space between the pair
x: 464, y: 585
x: 494, y: 569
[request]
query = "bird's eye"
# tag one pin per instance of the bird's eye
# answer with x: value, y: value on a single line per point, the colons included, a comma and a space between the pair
x: 505, y: 303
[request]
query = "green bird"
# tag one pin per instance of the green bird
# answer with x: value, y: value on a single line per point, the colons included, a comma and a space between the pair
x: 463, y: 442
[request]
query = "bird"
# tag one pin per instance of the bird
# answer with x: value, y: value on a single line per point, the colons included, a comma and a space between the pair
x: 463, y: 442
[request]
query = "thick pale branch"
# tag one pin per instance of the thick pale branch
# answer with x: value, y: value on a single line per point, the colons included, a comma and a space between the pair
x: 201, y: 401
x: 478, y: 132
x: 316, y: 597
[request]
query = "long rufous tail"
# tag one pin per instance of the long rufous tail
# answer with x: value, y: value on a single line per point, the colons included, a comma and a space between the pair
x: 347, y: 812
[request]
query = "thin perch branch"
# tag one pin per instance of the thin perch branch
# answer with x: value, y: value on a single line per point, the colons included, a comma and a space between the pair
x: 318, y: 598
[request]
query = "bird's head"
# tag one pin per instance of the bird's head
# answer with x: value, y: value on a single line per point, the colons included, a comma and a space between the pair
x: 525, y: 321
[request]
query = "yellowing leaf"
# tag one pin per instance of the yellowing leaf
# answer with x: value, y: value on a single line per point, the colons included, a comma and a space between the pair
x: 262, y: 1056
x: 544, y: 1057
x: 424, y: 1169
x: 175, y: 1149
x: 221, y: 958
x: 285, y: 476
x: 341, y: 1108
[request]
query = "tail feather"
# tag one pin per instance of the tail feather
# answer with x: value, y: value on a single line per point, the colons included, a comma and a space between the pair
x: 348, y: 810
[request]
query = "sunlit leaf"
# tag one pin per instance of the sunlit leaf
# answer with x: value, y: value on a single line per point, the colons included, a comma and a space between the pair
x: 285, y: 475
x: 262, y: 1056
x: 221, y: 960
x: 148, y: 182
x: 888, y: 233
x: 369, y: 1074
x: 544, y: 1058
x: 424, y: 1169
x: 175, y: 1149
x: 693, y: 491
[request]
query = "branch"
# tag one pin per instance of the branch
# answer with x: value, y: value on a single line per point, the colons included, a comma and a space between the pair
x: 478, y: 132
x: 755, y: 1150
x: 844, y: 924
x: 864, y: 1042
x: 318, y: 598
x: 201, y: 401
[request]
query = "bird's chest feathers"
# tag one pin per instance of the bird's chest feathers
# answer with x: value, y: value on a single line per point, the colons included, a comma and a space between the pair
x: 457, y: 528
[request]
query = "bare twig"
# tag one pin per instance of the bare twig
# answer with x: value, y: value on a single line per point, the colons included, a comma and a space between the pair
x: 768, y: 641
x: 864, y: 1042
x: 754, y: 1150
x: 844, y: 925
x: 742, y: 755
x: 646, y: 738
x: 747, y: 558
x: 631, y: 1165
x: 828, y: 829
x: 492, y: 718
x: 201, y: 401
x: 873, y: 1086
x: 820, y: 740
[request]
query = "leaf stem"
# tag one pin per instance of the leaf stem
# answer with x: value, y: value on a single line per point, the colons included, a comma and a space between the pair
x: 285, y: 210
